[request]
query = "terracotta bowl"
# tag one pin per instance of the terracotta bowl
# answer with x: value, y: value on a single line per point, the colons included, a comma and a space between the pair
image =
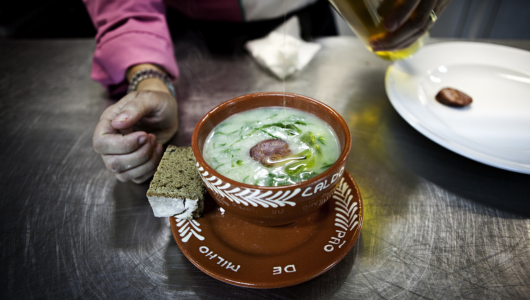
x: 271, y: 206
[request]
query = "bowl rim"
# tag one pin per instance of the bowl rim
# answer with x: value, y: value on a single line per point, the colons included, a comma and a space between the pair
x: 340, y: 160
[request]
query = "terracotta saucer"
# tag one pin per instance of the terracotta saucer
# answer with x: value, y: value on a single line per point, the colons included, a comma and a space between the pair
x: 243, y: 254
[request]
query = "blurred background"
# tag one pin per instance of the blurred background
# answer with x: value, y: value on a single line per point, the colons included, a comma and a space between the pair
x: 474, y: 19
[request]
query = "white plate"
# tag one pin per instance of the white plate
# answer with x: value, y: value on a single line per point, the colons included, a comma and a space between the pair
x: 495, y: 128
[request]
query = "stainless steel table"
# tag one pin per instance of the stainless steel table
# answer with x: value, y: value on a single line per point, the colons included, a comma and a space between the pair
x: 437, y: 225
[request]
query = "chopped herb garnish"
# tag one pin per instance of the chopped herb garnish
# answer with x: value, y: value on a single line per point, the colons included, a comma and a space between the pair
x: 288, y: 126
x: 298, y: 166
x: 283, y: 125
x: 296, y: 169
x: 307, y: 175
x: 280, y: 179
x: 271, y: 135
x: 326, y: 166
x: 227, y: 151
x: 308, y: 138
x: 220, y: 132
x: 294, y: 130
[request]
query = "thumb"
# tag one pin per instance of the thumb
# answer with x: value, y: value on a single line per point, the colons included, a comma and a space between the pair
x: 133, y: 109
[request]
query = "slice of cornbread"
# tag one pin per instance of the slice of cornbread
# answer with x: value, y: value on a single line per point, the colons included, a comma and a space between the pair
x: 177, y: 189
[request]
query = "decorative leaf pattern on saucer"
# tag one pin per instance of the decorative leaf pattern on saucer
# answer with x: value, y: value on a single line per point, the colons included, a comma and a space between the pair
x: 187, y: 228
x: 346, y: 207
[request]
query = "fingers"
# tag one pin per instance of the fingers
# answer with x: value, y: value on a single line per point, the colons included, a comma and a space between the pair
x: 144, y: 178
x: 137, y: 166
x: 123, y: 162
x: 399, y: 15
x: 144, y: 171
x: 109, y: 140
x: 417, y: 25
x: 149, y: 111
x: 129, y: 154
x: 114, y: 134
x: 134, y: 107
x: 116, y: 143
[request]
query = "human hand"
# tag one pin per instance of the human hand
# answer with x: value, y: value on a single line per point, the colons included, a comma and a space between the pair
x: 406, y: 22
x: 130, y: 133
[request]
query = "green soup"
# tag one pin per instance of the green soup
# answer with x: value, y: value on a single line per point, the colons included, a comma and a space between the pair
x: 313, y: 146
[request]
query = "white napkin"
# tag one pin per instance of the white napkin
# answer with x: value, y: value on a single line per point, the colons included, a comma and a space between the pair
x: 283, y: 52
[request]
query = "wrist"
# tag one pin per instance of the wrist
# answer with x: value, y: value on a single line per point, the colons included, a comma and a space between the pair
x: 149, y: 77
x: 134, y: 69
x: 153, y: 84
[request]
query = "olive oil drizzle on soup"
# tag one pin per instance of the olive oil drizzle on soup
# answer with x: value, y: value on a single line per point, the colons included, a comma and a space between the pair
x: 313, y: 146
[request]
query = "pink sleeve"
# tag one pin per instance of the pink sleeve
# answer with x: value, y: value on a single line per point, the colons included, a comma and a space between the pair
x: 128, y: 33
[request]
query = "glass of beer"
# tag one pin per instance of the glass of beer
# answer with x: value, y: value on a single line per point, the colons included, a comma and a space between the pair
x: 374, y: 22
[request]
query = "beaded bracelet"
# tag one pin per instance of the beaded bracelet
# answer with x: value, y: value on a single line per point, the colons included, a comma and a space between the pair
x: 150, y: 73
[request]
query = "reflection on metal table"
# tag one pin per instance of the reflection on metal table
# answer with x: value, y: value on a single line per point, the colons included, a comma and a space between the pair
x: 436, y: 224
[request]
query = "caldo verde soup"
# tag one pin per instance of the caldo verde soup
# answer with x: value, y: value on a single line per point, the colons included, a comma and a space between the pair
x: 271, y: 146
